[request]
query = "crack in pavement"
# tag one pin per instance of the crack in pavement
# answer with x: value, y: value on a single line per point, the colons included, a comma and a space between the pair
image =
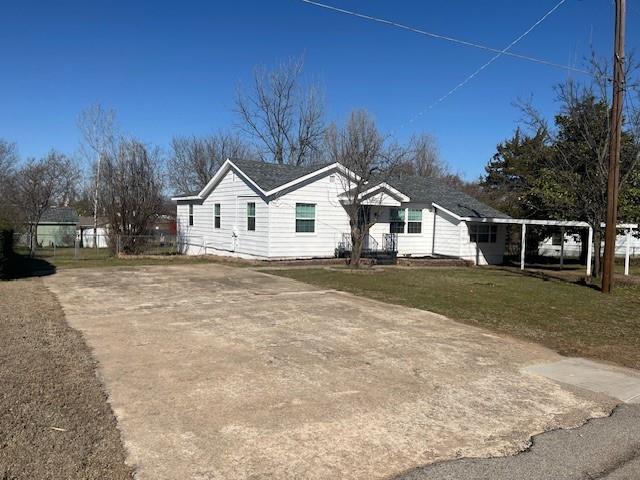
x: 617, y: 466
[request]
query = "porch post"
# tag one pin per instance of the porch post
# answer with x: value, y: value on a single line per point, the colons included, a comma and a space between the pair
x: 523, y: 245
x: 561, y: 248
x: 589, y: 251
x: 406, y: 220
x: 627, y: 254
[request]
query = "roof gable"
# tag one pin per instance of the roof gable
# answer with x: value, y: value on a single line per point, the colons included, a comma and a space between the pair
x: 266, y: 178
x: 269, y: 176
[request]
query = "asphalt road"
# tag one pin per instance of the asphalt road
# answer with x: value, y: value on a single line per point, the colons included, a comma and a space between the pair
x: 605, y: 448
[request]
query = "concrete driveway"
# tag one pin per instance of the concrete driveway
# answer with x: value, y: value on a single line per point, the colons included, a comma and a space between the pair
x: 217, y: 372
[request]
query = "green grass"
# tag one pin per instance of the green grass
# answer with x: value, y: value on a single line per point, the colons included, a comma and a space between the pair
x: 575, y: 320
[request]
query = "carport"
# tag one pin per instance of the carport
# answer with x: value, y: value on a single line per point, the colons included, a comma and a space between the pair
x: 627, y: 227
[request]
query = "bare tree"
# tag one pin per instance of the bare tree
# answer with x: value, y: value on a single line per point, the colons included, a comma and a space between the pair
x: 43, y: 183
x: 422, y: 158
x: 99, y: 140
x: 284, y: 117
x: 8, y: 162
x: 131, y: 186
x: 194, y: 160
x: 360, y: 148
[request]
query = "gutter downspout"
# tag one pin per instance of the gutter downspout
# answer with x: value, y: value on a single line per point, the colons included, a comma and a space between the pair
x: 433, y: 236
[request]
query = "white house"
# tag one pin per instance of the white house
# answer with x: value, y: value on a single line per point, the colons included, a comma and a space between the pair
x: 87, y: 236
x: 551, y: 246
x: 260, y: 210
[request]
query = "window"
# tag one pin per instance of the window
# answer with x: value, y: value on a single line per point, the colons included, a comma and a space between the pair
x: 483, y: 233
x: 216, y: 215
x: 396, y: 220
x: 305, y: 218
x: 251, y: 216
x: 415, y: 220
x: 556, y: 239
x: 191, y: 214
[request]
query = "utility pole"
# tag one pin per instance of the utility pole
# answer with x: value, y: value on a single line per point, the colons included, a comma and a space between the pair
x: 95, y: 203
x: 614, y: 149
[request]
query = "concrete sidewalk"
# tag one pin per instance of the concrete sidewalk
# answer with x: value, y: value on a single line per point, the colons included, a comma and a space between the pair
x: 617, y: 382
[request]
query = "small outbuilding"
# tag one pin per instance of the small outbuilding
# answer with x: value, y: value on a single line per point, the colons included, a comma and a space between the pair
x: 57, y: 227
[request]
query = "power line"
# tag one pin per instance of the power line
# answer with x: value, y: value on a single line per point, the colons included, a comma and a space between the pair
x: 500, y: 53
x: 445, y: 37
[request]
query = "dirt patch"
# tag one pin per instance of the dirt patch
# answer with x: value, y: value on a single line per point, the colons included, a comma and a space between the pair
x: 55, y: 421
x: 433, y: 262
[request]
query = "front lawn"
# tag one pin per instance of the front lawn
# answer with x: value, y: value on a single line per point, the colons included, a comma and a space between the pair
x: 575, y: 320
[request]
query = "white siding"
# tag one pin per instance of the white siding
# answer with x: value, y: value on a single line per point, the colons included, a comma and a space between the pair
x: 413, y: 244
x: 572, y: 246
x: 276, y: 237
x: 482, y: 253
x: 447, y: 235
x: 232, y: 193
x: 331, y: 221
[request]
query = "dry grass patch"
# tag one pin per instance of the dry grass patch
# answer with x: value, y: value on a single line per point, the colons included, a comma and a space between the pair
x: 55, y: 422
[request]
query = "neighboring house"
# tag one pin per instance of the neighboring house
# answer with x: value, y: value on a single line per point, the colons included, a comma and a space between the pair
x: 573, y: 247
x: 87, y: 232
x: 270, y: 211
x: 163, y: 225
x: 57, y: 226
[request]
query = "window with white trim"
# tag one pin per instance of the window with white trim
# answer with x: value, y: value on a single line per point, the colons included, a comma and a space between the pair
x: 396, y: 220
x: 191, y: 214
x: 216, y: 215
x: 483, y: 233
x: 305, y: 217
x: 414, y: 220
x: 251, y: 216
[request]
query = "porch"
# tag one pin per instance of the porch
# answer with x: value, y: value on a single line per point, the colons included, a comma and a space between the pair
x: 384, y: 252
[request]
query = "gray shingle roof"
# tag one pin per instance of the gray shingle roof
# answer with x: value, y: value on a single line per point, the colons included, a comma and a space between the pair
x: 60, y: 215
x: 432, y: 190
x: 273, y: 175
x: 421, y: 190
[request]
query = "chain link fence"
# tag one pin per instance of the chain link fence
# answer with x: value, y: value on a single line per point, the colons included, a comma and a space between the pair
x: 87, y: 246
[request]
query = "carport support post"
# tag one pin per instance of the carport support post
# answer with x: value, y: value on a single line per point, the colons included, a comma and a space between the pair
x: 627, y: 253
x: 561, y: 248
x: 523, y: 245
x: 589, y: 251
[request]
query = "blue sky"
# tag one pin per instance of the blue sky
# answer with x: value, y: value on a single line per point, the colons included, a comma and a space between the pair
x: 171, y: 68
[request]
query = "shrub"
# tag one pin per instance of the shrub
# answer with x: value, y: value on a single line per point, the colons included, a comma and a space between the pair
x: 6, y: 251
